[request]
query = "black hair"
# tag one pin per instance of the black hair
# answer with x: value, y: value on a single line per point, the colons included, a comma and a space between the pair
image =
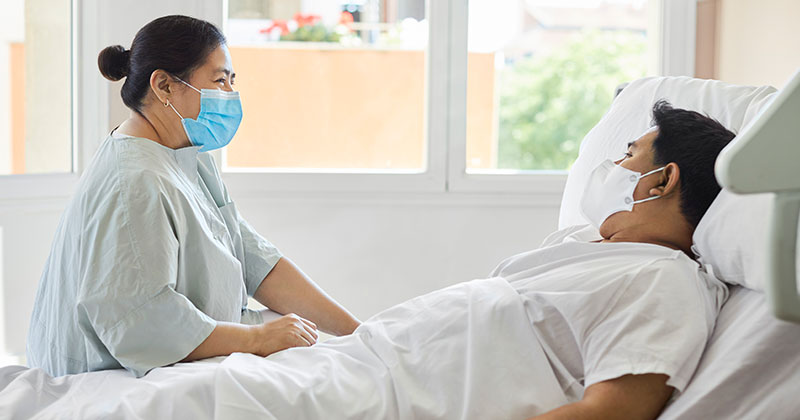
x: 176, y: 44
x: 693, y: 141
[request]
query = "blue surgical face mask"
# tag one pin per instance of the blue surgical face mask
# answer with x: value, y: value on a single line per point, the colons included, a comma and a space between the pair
x: 218, y: 120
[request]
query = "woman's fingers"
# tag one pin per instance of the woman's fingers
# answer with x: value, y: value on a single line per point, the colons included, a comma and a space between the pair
x: 309, y: 323
x: 311, y: 331
x: 307, y: 333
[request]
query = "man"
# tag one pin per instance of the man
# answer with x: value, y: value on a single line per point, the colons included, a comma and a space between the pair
x: 679, y: 155
x: 601, y: 322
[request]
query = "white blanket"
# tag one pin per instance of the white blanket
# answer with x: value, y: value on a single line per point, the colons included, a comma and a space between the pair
x: 182, y: 391
x: 467, y: 351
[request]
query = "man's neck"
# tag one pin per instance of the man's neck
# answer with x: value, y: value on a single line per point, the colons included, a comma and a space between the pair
x: 679, y: 241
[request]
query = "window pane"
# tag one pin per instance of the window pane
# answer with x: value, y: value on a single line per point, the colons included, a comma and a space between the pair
x: 35, y: 103
x: 333, y: 85
x: 542, y: 73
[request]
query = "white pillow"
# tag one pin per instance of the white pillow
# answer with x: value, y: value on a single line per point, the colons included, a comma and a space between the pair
x: 630, y: 115
x: 732, y: 238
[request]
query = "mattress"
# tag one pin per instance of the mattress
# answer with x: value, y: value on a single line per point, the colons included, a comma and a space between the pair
x: 750, y: 368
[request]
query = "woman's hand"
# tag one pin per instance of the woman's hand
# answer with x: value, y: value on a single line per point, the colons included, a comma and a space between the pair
x: 263, y: 339
x: 283, y: 333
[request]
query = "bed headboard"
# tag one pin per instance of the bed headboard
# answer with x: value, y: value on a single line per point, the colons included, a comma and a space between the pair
x: 764, y: 158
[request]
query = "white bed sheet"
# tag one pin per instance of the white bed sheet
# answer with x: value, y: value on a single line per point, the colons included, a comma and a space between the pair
x: 181, y: 391
x: 750, y: 369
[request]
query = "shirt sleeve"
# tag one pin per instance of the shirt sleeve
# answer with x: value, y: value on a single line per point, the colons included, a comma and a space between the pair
x: 127, y: 298
x: 260, y: 256
x: 657, y: 324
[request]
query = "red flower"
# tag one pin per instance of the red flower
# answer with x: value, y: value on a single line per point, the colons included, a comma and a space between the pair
x: 346, y: 18
x: 277, y: 24
x: 303, y: 20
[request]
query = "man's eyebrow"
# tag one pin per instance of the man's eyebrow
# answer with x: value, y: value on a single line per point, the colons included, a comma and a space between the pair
x: 631, y: 144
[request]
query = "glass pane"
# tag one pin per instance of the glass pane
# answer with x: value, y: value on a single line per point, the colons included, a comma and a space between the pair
x: 329, y: 85
x: 542, y: 73
x: 36, y: 101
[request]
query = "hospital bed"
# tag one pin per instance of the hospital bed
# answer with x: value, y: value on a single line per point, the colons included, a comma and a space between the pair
x: 749, y: 370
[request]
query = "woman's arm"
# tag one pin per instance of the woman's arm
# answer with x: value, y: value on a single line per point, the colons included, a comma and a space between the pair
x: 628, y: 397
x: 286, y: 289
x: 262, y: 339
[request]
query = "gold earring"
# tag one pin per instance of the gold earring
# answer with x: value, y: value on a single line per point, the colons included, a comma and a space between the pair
x: 166, y: 104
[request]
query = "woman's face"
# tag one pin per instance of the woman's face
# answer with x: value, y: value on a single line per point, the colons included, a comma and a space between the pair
x: 215, y: 73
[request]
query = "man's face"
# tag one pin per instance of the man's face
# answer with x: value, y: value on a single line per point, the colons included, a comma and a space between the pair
x: 638, y: 158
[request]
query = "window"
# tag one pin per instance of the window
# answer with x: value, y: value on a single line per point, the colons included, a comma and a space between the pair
x: 542, y: 73
x: 358, y: 95
x: 36, y: 101
x: 329, y: 85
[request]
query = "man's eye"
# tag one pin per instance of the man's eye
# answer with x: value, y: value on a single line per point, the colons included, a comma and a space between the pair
x: 628, y: 155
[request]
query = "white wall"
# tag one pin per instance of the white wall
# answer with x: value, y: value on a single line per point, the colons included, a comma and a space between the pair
x: 28, y: 228
x: 757, y: 41
x: 373, y: 252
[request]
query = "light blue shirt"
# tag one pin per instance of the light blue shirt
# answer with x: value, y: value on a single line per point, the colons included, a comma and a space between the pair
x: 149, y: 254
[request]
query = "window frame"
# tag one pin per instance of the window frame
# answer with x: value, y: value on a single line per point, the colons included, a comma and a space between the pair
x: 445, y: 104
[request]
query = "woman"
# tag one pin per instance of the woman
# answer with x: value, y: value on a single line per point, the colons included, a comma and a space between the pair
x: 152, y: 263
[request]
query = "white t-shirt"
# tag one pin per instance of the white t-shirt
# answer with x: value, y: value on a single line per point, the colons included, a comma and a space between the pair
x: 604, y: 310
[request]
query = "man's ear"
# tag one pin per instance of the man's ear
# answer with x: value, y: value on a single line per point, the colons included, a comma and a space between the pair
x: 161, y: 85
x: 670, y: 180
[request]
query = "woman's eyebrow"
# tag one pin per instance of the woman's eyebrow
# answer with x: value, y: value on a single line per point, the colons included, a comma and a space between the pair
x: 226, y: 71
x: 631, y: 144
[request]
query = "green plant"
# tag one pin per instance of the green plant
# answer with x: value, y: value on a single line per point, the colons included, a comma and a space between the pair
x: 548, y: 103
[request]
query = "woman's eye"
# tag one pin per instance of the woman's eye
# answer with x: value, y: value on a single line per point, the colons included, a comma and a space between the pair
x: 628, y: 155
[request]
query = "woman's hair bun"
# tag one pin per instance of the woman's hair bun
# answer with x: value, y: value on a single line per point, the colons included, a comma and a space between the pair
x: 114, y: 62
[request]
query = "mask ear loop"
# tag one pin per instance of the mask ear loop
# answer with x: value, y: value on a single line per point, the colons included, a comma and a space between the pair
x: 653, y: 171
x: 655, y: 197
x: 196, y: 89
x: 168, y: 104
x: 644, y: 200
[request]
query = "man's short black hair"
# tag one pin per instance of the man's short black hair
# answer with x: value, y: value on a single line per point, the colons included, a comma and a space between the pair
x: 693, y: 141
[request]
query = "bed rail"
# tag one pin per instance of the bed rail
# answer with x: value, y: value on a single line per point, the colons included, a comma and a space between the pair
x: 765, y: 157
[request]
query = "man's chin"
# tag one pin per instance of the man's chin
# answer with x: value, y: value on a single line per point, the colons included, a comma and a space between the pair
x: 605, y: 232
x: 609, y: 227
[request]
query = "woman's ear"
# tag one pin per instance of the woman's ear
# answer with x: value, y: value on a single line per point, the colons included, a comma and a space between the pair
x: 670, y: 180
x: 161, y: 85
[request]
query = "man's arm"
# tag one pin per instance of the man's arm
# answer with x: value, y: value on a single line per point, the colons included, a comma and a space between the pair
x: 628, y: 397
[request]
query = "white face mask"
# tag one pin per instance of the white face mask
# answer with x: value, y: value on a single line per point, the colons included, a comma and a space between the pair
x: 610, y: 190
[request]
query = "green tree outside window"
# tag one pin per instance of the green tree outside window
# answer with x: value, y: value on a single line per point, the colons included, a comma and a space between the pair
x: 548, y: 103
